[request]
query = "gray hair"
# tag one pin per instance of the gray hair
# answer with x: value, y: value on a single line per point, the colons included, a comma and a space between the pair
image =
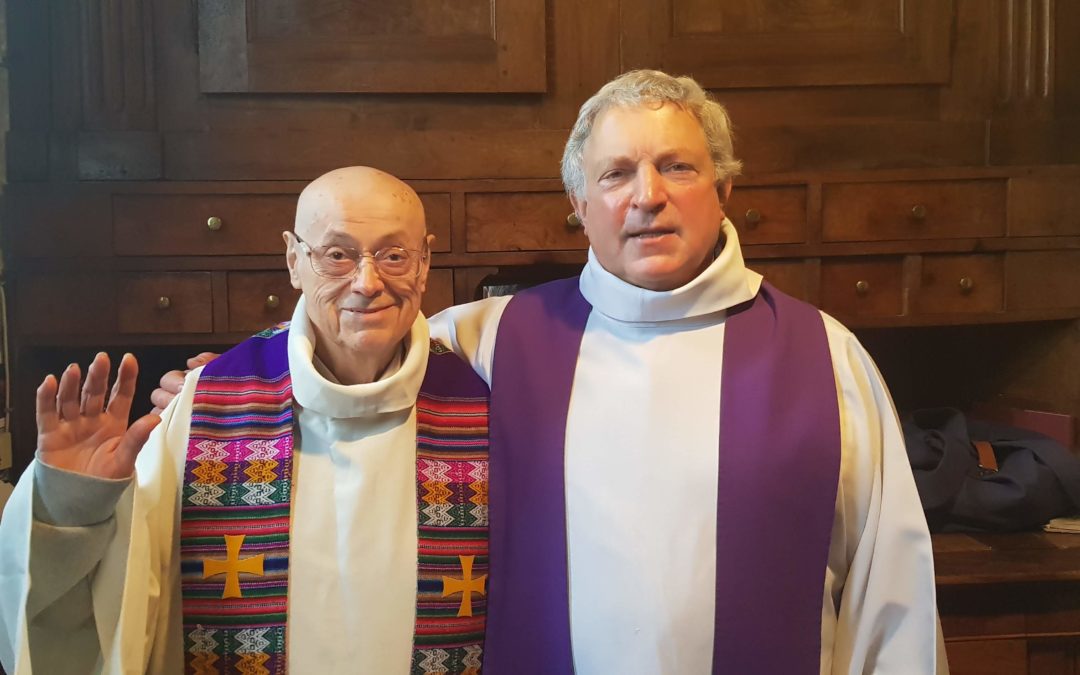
x: 642, y: 87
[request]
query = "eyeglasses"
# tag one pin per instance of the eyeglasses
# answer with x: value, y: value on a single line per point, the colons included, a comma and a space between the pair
x: 343, y: 262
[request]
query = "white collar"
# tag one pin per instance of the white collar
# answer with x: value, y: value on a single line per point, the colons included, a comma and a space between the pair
x: 395, y: 390
x: 722, y: 285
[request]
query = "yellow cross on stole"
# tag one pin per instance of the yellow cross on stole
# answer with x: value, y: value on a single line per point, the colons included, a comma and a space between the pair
x: 232, y: 566
x: 466, y: 585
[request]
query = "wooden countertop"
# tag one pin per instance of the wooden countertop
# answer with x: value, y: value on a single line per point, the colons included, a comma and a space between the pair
x: 1024, y: 557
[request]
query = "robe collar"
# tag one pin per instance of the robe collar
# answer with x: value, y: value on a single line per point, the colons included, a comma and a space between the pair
x: 314, y: 388
x: 723, y: 284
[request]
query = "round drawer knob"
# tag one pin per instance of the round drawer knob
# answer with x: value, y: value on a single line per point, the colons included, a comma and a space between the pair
x: 164, y: 302
x: 918, y: 212
x: 272, y: 301
x: 573, y: 221
x: 213, y: 223
x: 753, y: 217
x: 966, y: 284
x: 862, y: 287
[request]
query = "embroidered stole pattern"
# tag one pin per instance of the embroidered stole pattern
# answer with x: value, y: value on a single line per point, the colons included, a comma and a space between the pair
x: 235, y: 508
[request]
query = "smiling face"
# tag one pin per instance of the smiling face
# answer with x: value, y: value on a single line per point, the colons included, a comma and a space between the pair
x: 651, y: 208
x: 359, y: 321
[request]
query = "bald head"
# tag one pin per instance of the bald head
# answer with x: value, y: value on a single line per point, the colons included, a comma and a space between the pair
x: 357, y: 193
x: 363, y: 303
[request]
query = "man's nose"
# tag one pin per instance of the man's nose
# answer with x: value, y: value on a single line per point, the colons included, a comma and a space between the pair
x: 367, y: 281
x: 650, y: 193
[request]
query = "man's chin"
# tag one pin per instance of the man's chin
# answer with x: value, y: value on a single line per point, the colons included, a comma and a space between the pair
x: 660, y: 275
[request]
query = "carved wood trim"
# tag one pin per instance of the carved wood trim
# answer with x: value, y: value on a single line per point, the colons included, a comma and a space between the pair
x: 1026, y: 53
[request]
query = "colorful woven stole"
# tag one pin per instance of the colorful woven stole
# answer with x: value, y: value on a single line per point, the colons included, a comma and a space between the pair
x: 235, y: 508
x: 778, y: 473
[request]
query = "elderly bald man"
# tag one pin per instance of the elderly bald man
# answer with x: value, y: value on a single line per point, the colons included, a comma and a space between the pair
x: 313, y: 500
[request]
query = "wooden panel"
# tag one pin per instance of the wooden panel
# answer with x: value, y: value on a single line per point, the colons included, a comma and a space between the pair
x: 117, y: 65
x: 771, y: 43
x: 437, y: 215
x: 520, y: 221
x: 177, y: 224
x: 142, y: 308
x: 251, y: 307
x: 913, y: 210
x: 773, y: 215
x: 59, y: 304
x: 840, y: 294
x: 440, y: 292
x: 988, y: 657
x: 790, y: 276
x: 943, y: 289
x: 1042, y: 280
x: 372, y: 46
x: 1053, y: 657
x: 1044, y: 204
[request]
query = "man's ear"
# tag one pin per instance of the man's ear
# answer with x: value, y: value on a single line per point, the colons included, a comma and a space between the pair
x: 429, y: 241
x: 723, y: 190
x: 292, y: 259
x: 581, y: 207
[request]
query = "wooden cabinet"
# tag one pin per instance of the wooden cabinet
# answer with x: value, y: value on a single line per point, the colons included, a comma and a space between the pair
x: 259, y: 299
x: 960, y: 284
x: 164, y: 302
x: 769, y: 215
x: 864, y: 288
x: 914, y: 210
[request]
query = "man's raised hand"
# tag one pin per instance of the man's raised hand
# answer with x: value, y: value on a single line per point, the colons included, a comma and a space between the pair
x: 80, y: 431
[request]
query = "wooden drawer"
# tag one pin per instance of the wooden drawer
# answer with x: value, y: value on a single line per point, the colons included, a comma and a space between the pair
x: 790, y: 276
x: 181, y: 224
x: 988, y: 657
x: 768, y: 215
x: 259, y: 299
x: 1045, y: 204
x: 164, y: 302
x: 520, y: 221
x: 1042, y: 280
x: 913, y: 210
x: 960, y: 284
x: 249, y: 224
x: 862, y: 287
x: 440, y: 291
x: 62, y: 304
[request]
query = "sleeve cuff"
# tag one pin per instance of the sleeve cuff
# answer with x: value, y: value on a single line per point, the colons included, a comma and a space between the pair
x: 68, y: 499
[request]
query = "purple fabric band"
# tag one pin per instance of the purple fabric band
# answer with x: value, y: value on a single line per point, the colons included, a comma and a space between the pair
x: 779, y: 468
x: 528, y: 627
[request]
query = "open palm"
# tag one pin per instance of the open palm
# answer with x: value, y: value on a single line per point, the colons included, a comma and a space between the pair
x: 78, y: 432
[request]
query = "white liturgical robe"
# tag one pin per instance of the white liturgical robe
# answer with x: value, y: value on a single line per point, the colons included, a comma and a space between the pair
x: 353, y: 548
x: 641, y: 481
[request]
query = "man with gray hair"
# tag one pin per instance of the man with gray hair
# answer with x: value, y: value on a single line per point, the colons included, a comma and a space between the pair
x: 691, y: 472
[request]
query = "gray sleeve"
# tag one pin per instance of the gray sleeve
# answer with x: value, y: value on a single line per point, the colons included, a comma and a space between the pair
x: 73, y: 526
x: 68, y: 499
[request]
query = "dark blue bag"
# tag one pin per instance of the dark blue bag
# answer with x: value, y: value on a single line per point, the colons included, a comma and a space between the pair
x: 1035, y: 478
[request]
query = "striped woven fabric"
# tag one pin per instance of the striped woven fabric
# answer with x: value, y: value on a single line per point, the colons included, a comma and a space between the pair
x: 452, y: 502
x: 235, y: 514
x: 234, y: 527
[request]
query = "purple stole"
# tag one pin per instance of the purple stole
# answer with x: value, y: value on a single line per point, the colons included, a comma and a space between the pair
x: 779, y: 469
x: 235, y: 514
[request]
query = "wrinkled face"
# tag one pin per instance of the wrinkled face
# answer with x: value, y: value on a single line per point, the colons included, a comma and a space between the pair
x: 368, y: 314
x: 652, y: 209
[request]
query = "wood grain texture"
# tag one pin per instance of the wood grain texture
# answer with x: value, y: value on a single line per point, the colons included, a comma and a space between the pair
x: 290, y: 46
x: 188, y: 308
